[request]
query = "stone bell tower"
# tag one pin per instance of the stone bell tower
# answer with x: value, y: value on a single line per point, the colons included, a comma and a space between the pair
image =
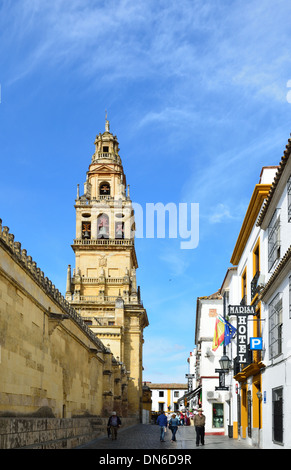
x: 102, y: 287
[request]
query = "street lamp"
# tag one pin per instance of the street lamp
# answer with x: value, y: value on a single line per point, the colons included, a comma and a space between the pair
x: 224, y: 362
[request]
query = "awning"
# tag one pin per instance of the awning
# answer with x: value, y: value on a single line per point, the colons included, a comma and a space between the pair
x: 190, y: 395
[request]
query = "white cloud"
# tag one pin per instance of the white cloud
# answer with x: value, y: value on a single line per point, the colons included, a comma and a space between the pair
x: 165, y: 359
x: 182, y: 42
x: 220, y: 214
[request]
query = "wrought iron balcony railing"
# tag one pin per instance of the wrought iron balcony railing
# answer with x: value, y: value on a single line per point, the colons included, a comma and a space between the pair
x: 254, y: 284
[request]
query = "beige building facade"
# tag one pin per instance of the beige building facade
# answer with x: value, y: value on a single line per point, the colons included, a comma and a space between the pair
x: 102, y: 287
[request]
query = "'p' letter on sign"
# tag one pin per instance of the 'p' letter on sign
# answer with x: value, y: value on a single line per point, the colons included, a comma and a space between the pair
x: 256, y: 343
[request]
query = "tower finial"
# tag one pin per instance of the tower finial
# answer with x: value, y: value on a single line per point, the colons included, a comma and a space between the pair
x: 107, y: 127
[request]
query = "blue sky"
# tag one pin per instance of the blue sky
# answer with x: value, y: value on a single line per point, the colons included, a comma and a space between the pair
x: 196, y: 92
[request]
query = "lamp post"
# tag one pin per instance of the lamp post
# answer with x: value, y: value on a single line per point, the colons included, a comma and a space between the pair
x: 224, y: 363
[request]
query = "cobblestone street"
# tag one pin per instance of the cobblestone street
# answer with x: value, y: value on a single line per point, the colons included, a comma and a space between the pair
x: 147, y: 436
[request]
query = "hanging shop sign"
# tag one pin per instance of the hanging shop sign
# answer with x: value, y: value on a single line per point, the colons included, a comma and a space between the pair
x: 241, y: 310
x: 221, y: 380
x: 242, y: 337
x: 190, y: 378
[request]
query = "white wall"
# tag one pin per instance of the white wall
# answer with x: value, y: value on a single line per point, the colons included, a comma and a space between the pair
x: 156, y: 398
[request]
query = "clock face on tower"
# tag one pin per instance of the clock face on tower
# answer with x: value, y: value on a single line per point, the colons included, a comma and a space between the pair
x: 104, y: 189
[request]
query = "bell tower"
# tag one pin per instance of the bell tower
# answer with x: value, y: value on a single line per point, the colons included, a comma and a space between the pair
x: 102, y: 287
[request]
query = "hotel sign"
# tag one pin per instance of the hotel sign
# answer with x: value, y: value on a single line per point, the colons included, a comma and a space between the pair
x: 242, y: 338
x: 242, y: 312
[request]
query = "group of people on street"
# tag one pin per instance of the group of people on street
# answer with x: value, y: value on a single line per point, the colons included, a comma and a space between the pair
x: 173, y: 424
x: 176, y: 421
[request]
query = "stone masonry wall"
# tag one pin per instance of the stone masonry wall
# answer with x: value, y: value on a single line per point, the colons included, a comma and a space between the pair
x: 52, y: 433
x: 52, y: 367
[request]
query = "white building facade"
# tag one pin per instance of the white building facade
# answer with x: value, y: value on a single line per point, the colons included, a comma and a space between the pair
x: 257, y: 405
x: 165, y: 396
x: 215, y: 403
x: 261, y: 278
x: 275, y: 224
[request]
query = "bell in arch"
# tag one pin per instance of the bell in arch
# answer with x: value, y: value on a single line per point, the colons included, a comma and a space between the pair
x: 103, y: 226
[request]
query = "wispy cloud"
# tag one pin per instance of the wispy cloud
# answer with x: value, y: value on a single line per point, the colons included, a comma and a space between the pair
x: 216, y: 188
x: 164, y: 355
x: 177, y: 42
x: 220, y: 214
x: 176, y: 262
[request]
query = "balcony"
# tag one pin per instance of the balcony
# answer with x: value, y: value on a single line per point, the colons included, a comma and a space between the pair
x: 105, y: 156
x: 254, y: 284
x: 104, y: 241
x: 97, y: 280
x: 96, y: 298
x: 107, y: 299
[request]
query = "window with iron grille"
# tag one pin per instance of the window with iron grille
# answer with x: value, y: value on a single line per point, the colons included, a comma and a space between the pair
x: 289, y: 198
x: 275, y: 326
x: 274, y: 243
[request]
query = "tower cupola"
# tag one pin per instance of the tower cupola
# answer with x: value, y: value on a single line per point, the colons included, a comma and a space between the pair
x: 106, y: 147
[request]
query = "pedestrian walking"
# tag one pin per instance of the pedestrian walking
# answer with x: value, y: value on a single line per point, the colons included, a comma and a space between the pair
x: 182, y: 419
x: 173, y: 426
x: 113, y: 423
x: 162, y: 422
x: 191, y: 417
x: 199, y: 423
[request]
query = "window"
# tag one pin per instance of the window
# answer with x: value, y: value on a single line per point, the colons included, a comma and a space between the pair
x: 161, y: 406
x: 256, y: 269
x: 104, y: 189
x: 277, y: 405
x: 217, y: 415
x: 274, y: 244
x: 176, y: 394
x: 161, y: 394
x: 86, y: 230
x: 105, y: 149
x: 244, y: 287
x: 275, y: 326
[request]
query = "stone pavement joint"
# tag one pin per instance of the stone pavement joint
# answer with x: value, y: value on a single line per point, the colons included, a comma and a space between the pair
x: 147, y: 436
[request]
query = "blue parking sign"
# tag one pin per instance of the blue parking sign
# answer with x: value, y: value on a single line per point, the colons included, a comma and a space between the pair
x: 256, y: 343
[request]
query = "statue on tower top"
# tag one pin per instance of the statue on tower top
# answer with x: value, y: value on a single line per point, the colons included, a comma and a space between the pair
x: 107, y: 126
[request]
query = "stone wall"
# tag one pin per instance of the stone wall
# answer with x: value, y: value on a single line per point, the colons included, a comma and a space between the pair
x: 52, y: 367
x: 52, y: 433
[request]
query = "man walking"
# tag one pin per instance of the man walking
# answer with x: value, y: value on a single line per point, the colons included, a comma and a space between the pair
x: 162, y: 422
x: 199, y: 423
x: 114, y: 422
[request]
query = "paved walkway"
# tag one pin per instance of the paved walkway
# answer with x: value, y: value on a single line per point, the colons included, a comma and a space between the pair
x: 147, y: 436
